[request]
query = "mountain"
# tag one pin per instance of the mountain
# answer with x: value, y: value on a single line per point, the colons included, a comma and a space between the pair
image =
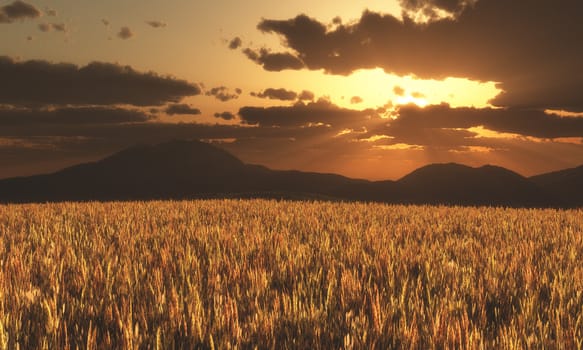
x: 176, y: 170
x: 462, y: 185
x: 193, y: 169
x: 566, y: 184
x: 168, y: 170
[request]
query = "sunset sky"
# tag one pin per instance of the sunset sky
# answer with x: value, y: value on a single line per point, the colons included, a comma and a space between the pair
x: 366, y: 89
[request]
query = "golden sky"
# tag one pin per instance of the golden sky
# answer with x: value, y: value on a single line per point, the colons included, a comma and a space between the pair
x: 370, y: 89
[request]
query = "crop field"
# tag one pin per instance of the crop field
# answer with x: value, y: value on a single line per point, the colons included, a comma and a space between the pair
x: 226, y: 274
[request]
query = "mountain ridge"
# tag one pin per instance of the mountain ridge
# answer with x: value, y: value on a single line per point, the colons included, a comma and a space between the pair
x: 183, y: 169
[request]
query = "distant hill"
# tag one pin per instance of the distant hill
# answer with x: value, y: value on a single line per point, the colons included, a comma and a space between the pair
x: 459, y: 184
x: 193, y: 169
x: 566, y: 184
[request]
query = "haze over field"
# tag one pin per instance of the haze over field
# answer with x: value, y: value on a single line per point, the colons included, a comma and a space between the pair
x: 366, y: 89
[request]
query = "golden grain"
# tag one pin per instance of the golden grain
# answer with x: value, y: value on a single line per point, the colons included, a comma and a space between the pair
x: 230, y: 274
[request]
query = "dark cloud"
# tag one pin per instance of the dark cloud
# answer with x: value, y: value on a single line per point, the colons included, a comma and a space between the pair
x: 430, y: 9
x: 225, y: 116
x: 132, y: 133
x: 222, y: 93
x: 125, y: 33
x: 44, y: 27
x: 525, y: 122
x: 182, y: 109
x: 274, y: 62
x: 434, y: 138
x: 18, y: 10
x: 60, y: 27
x: 156, y: 24
x: 356, y: 100
x: 532, y: 48
x: 47, y: 27
x: 306, y: 96
x: 235, y: 43
x: 51, y: 12
x: 563, y: 91
x: 252, y: 55
x: 277, y: 94
x: 44, y: 83
x: 399, y: 91
x: 77, y: 115
x: 105, y: 22
x: 301, y: 115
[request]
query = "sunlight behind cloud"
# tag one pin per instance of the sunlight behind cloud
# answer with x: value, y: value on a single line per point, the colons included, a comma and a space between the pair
x: 405, y: 100
x: 376, y: 88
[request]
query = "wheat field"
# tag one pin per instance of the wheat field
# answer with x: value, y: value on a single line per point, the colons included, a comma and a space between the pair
x: 244, y: 274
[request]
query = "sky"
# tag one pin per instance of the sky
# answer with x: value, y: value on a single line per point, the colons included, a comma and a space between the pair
x: 366, y: 89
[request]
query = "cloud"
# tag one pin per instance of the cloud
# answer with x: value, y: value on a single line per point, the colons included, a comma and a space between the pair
x: 182, y: 109
x: 306, y: 96
x: 60, y: 27
x: 47, y: 27
x: 156, y: 24
x: 429, y: 138
x: 399, y: 91
x: 125, y: 33
x: 70, y: 115
x: 44, y: 27
x: 51, y: 12
x: 274, y: 62
x: 276, y: 94
x: 225, y: 116
x: 235, y: 43
x: 18, y: 10
x: 432, y: 10
x: 45, y: 83
x: 525, y: 122
x: 105, y: 22
x: 356, y: 100
x: 535, y: 56
x: 223, y: 94
x: 321, y: 112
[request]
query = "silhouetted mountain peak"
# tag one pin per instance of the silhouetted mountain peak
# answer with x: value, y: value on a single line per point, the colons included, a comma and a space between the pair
x: 453, y: 183
x: 173, y: 159
x: 455, y: 172
x: 436, y: 171
x: 177, y: 155
x: 498, y: 172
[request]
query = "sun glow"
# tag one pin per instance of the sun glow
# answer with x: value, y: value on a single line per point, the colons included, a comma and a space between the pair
x: 374, y: 88
x: 409, y: 99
